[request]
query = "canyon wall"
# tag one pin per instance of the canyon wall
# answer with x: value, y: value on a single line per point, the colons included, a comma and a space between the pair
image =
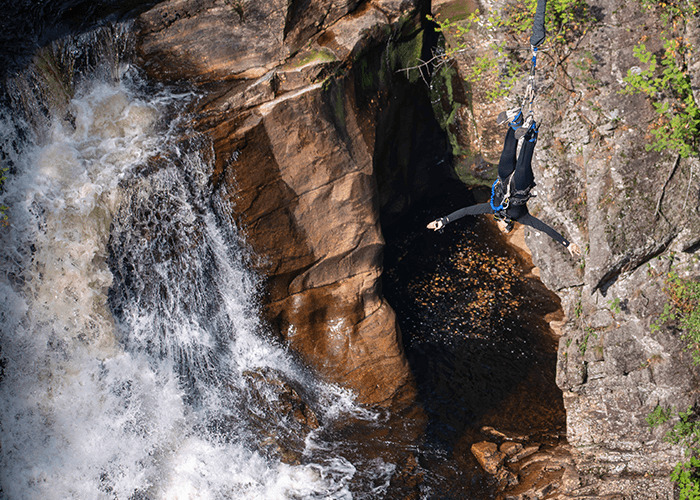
x: 633, y: 211
x: 318, y: 137
x: 315, y: 142
x: 302, y: 101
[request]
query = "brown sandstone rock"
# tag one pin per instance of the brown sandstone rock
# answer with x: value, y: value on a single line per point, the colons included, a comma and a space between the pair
x: 209, y: 40
x: 510, y: 448
x: 524, y: 453
x: 488, y: 456
x: 318, y: 229
x: 294, y: 153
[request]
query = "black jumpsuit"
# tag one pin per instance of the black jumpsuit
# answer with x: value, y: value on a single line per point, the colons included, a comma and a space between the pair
x: 522, y: 179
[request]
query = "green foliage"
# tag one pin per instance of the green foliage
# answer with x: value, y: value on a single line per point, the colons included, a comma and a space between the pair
x: 485, y: 68
x: 659, y: 416
x: 685, y: 432
x: 667, y: 83
x: 565, y: 19
x: 684, y: 307
x: 615, y: 305
x: 670, y: 11
x: 454, y: 30
x: 583, y: 346
x: 686, y: 475
x: 488, y: 64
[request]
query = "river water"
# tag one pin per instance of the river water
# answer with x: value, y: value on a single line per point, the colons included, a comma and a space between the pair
x: 134, y: 362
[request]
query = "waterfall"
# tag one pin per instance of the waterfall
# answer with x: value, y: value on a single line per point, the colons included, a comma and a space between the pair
x: 134, y: 362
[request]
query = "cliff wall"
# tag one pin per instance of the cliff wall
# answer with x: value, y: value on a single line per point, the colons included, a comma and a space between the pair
x: 301, y: 101
x: 633, y: 211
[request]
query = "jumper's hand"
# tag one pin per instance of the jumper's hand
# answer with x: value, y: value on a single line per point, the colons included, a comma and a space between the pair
x: 574, y: 250
x: 436, y: 224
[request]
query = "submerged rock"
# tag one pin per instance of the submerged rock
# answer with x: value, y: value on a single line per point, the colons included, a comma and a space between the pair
x: 488, y: 456
x: 281, y: 414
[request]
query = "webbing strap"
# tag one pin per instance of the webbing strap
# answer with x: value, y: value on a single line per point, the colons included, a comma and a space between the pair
x: 531, y: 91
x: 538, y: 31
x: 505, y: 201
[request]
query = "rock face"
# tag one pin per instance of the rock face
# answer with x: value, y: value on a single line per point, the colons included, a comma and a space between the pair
x: 294, y: 92
x: 635, y: 213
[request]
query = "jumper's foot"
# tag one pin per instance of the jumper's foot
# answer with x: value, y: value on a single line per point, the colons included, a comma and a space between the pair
x: 509, y: 115
x: 528, y: 125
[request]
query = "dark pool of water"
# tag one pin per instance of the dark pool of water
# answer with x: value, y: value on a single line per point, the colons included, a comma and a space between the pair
x: 474, y: 334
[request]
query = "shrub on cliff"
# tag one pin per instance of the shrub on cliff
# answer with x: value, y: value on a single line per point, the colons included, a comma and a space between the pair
x: 684, y: 307
x: 667, y: 82
x: 685, y: 432
x: 566, y: 22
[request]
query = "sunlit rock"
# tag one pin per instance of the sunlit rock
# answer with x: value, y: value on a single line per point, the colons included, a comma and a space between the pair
x: 489, y: 456
x: 293, y: 95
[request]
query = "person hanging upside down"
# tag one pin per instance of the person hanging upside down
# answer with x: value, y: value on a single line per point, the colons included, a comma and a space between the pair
x: 511, y: 191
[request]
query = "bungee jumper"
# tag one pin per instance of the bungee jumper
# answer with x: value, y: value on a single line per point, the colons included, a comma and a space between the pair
x: 513, y: 188
x: 511, y: 191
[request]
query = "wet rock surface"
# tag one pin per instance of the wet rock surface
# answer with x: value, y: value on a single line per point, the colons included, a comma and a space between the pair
x: 525, y: 467
x: 276, y: 401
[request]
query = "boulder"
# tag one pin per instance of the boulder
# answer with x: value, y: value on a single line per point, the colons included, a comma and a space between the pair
x: 489, y: 456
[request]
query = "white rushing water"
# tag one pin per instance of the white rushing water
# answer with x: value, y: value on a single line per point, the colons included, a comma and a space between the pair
x: 129, y: 322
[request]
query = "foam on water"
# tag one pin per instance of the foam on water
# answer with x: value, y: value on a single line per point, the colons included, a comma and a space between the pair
x: 96, y: 408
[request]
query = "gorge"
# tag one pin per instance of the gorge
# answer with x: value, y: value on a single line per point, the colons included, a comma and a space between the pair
x: 205, y: 202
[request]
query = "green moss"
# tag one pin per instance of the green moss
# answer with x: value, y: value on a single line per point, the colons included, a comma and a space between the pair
x: 465, y: 173
x: 408, y: 55
x: 366, y: 75
x: 338, y: 105
x: 311, y: 57
x: 446, y: 106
